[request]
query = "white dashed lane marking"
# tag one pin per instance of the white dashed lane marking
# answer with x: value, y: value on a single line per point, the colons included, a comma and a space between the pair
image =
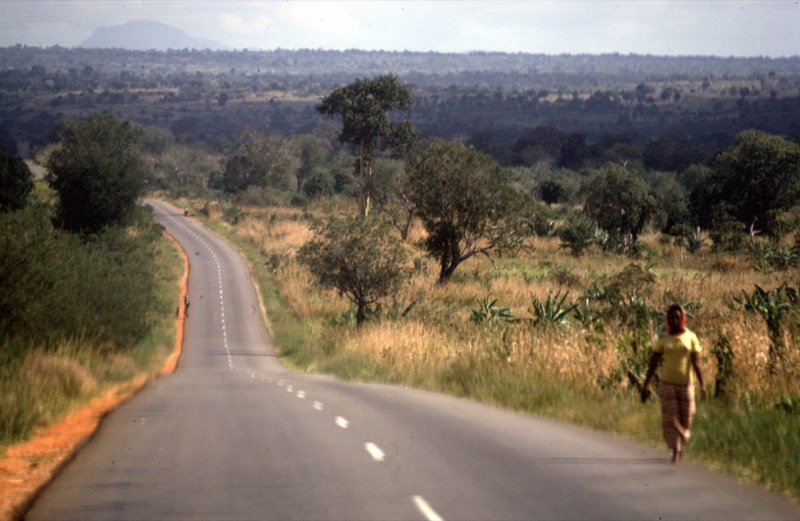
x: 372, y: 449
x: 375, y: 451
x: 426, y: 510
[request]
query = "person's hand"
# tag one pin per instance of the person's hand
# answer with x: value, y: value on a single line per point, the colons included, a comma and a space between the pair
x: 703, y: 393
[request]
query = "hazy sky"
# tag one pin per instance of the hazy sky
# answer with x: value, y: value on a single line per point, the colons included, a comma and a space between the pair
x: 673, y: 27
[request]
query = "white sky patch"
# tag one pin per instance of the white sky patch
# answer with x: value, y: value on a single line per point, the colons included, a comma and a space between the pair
x: 685, y: 27
x: 233, y: 23
x: 326, y: 18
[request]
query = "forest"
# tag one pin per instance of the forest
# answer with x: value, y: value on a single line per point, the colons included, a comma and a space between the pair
x: 495, y: 101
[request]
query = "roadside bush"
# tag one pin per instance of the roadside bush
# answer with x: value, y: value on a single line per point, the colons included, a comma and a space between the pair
x: 320, y: 182
x: 100, y: 289
x: 16, y: 182
x: 359, y: 258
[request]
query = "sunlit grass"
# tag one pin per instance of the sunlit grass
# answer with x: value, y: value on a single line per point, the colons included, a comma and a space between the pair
x: 570, y: 373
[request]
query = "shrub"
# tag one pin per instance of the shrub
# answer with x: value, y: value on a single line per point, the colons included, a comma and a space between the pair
x: 320, y: 182
x: 16, y: 182
x: 101, y: 289
x: 578, y: 235
x: 357, y: 256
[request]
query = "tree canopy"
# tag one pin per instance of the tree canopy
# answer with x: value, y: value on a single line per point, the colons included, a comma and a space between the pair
x: 466, y: 204
x: 16, y: 182
x: 261, y: 159
x: 358, y: 257
x: 366, y: 107
x: 98, y: 172
x: 752, y: 180
x: 618, y: 200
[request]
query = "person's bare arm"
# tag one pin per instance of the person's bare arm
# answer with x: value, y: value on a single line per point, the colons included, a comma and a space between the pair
x: 698, y: 370
x: 651, y: 369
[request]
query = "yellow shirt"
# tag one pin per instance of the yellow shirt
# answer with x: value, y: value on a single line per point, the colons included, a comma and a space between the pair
x: 677, y: 351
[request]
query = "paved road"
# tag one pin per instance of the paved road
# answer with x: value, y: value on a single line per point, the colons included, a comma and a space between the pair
x: 232, y: 435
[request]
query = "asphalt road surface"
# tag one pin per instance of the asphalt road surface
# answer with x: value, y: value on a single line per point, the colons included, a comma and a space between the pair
x: 232, y: 435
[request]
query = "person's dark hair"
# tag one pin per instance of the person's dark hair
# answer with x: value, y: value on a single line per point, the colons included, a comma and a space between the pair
x: 682, y: 323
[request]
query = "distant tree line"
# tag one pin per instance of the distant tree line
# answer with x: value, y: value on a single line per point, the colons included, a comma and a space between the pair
x: 493, y: 99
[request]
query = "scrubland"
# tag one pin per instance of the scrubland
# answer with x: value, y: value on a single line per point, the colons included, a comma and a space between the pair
x: 495, y: 334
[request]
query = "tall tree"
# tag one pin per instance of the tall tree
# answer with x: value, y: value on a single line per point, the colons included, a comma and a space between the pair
x: 313, y: 153
x: 759, y: 175
x: 261, y: 159
x: 16, y: 182
x: 393, y: 195
x: 366, y: 107
x: 98, y: 172
x: 466, y: 204
x: 183, y: 165
x: 618, y: 200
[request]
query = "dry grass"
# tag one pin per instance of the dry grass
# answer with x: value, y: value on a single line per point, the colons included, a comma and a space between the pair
x: 439, y: 329
x: 573, y: 373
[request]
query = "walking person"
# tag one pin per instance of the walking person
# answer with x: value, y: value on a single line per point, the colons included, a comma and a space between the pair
x: 680, y: 349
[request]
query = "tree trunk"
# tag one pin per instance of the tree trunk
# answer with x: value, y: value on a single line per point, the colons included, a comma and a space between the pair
x: 361, y: 314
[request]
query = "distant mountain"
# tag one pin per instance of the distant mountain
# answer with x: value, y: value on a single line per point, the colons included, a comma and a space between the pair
x: 146, y: 35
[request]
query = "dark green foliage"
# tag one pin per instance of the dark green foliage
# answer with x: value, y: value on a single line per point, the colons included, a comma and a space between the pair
x: 56, y: 286
x: 618, y: 200
x: 750, y: 181
x: 465, y: 203
x: 16, y: 182
x: 671, y: 152
x: 358, y: 257
x: 578, y: 234
x: 688, y: 237
x: 319, y: 182
x: 98, y: 172
x: 671, y: 202
x: 232, y: 215
x: 366, y: 107
x: 634, y: 352
x: 728, y: 236
x: 261, y: 160
x: 552, y: 191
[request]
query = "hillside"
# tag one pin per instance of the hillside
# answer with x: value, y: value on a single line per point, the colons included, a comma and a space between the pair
x: 145, y: 35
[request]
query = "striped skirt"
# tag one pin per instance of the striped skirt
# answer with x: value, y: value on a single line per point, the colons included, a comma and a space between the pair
x: 677, y: 411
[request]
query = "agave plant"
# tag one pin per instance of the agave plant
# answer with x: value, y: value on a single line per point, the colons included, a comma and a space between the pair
x: 763, y: 255
x: 773, y: 306
x: 694, y: 241
x: 553, y: 311
x: 490, y: 313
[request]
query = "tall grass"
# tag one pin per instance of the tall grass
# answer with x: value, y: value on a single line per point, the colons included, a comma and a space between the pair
x: 583, y: 371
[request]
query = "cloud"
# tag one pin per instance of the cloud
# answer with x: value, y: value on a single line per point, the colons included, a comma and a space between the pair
x: 740, y: 27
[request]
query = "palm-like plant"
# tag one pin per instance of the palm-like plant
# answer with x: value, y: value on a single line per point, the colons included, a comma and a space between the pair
x: 490, y: 313
x: 553, y: 311
x: 773, y: 306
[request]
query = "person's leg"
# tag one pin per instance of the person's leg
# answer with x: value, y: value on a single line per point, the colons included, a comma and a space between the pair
x: 669, y: 413
x: 686, y: 410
